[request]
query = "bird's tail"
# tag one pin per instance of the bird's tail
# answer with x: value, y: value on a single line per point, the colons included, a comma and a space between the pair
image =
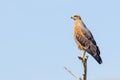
x: 94, y: 51
x: 98, y: 58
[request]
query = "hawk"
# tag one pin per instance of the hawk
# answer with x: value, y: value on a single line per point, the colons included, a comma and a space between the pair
x: 84, y: 39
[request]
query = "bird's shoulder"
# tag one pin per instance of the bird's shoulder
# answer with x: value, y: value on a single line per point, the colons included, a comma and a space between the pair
x: 81, y: 29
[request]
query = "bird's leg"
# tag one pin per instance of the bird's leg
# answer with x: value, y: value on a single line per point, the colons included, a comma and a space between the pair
x: 83, y: 55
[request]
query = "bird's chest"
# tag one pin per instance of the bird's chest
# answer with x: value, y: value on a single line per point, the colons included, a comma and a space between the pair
x: 79, y: 37
x: 78, y: 31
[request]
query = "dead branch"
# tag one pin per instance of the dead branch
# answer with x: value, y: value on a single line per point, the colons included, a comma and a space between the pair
x: 73, y: 74
x: 84, y: 62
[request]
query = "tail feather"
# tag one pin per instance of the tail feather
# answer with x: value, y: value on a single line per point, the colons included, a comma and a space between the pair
x: 98, y: 59
x: 95, y: 52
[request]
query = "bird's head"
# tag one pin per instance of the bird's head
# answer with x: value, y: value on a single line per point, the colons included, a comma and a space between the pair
x: 75, y: 17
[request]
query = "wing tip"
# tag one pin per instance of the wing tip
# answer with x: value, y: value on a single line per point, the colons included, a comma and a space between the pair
x: 98, y: 59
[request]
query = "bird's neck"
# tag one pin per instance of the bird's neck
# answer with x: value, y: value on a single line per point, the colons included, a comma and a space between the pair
x: 78, y: 21
x: 77, y: 27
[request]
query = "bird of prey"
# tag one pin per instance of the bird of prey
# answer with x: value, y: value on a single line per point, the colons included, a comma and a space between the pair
x: 84, y: 39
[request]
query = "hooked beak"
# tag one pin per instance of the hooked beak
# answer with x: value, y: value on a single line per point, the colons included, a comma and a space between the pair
x: 71, y: 17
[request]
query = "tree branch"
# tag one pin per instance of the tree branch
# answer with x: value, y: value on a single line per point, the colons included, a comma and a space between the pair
x: 84, y: 62
x: 73, y: 74
x: 83, y: 59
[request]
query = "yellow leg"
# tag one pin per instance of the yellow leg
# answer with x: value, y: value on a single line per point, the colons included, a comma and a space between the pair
x: 83, y: 54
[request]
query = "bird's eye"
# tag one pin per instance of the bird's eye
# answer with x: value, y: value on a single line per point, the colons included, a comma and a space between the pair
x: 75, y: 16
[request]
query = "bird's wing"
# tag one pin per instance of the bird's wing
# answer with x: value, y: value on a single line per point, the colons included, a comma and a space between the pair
x: 90, y: 37
x: 84, y: 42
x: 88, y: 34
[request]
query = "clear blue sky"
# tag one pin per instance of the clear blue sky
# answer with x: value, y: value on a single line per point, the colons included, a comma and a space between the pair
x: 36, y: 39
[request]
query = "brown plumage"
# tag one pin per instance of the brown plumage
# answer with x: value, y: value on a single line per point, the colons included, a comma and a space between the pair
x: 84, y: 39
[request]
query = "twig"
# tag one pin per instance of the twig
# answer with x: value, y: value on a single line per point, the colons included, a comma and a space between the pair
x: 73, y: 74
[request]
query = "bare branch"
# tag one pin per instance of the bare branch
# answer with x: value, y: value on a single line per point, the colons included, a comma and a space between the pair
x: 84, y: 62
x: 83, y: 59
x: 73, y: 74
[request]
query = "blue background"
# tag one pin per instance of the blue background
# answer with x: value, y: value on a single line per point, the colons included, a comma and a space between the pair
x: 36, y: 39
